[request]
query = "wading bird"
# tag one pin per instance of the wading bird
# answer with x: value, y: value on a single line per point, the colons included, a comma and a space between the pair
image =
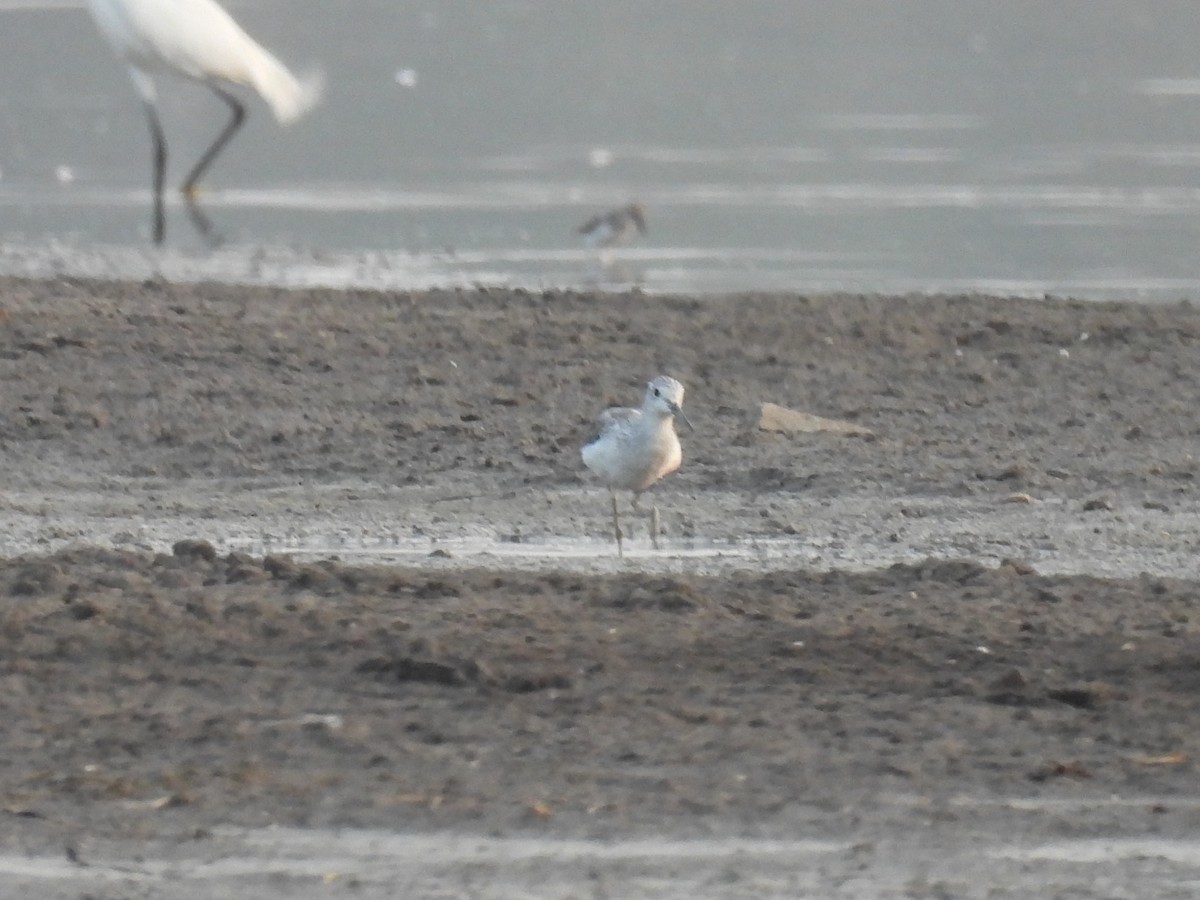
x: 613, y: 227
x: 634, y: 448
x: 196, y: 39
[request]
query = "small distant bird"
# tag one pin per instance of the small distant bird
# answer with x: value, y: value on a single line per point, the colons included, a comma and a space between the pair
x: 196, y: 39
x: 613, y: 227
x: 634, y: 448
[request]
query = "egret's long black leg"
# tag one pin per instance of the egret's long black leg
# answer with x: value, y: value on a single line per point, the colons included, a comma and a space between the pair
x: 199, y: 219
x: 160, y: 171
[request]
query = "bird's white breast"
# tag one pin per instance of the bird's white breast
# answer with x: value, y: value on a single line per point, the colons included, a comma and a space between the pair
x: 633, y: 455
x: 600, y: 235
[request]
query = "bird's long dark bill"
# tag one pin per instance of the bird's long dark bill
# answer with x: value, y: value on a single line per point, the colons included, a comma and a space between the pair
x: 678, y: 410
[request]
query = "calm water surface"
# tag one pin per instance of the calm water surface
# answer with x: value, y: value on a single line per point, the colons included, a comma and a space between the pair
x: 924, y: 145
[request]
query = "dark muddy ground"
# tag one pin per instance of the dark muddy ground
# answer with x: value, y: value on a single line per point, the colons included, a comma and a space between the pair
x: 253, y: 691
x: 164, y: 696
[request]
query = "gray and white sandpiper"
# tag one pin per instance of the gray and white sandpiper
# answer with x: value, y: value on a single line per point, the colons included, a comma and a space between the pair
x: 634, y: 448
x: 617, y: 226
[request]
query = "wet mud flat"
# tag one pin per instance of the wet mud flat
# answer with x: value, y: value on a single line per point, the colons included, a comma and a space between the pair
x: 159, y: 693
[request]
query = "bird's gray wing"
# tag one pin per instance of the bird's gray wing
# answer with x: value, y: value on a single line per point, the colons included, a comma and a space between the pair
x: 613, y: 417
x: 591, y: 224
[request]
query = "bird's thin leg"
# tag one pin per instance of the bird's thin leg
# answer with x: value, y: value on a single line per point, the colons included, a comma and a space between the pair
x: 160, y: 171
x: 654, y: 527
x: 617, y: 525
x: 190, y: 193
x: 637, y: 508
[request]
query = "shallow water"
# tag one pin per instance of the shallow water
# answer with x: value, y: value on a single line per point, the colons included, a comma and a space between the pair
x: 380, y: 525
x: 933, y: 146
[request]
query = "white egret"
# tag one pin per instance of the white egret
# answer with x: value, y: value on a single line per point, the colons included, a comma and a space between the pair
x: 198, y: 40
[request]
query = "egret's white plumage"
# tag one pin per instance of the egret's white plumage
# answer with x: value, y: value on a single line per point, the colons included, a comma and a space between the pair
x: 634, y: 448
x: 196, y: 39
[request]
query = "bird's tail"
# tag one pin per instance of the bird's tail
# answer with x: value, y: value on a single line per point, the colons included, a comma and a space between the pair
x: 288, y: 96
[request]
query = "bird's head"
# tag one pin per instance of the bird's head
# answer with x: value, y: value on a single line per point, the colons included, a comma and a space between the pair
x: 664, y: 398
